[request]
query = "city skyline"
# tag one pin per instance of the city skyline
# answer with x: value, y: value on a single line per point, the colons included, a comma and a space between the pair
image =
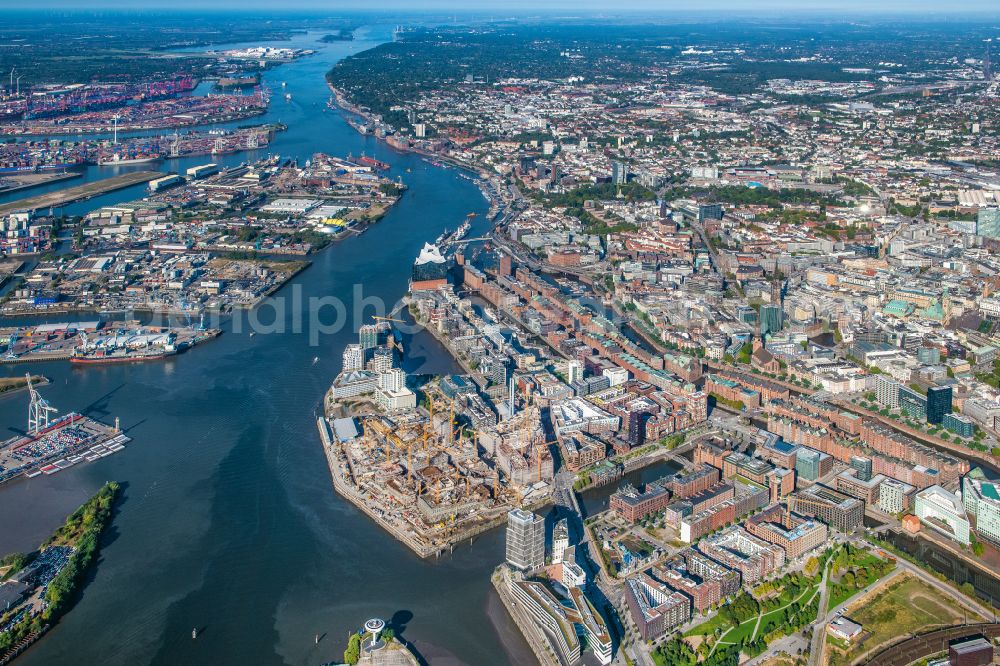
x: 567, y: 8
x: 336, y: 333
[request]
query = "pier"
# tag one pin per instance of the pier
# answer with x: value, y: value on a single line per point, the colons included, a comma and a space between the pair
x: 50, y: 446
x: 79, y: 192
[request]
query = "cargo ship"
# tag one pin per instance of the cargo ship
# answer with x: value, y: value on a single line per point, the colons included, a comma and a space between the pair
x: 40, y: 168
x: 118, y: 160
x: 463, y: 230
x: 121, y: 355
x: 373, y: 163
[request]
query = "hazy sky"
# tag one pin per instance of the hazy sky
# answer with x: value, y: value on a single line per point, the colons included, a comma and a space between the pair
x: 512, y: 7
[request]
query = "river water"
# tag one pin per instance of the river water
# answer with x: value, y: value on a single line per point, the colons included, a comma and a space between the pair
x: 229, y: 522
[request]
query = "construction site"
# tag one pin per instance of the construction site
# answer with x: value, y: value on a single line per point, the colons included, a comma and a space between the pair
x: 431, y: 477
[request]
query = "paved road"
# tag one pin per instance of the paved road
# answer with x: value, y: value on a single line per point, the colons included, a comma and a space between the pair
x: 697, y: 226
x: 819, y: 624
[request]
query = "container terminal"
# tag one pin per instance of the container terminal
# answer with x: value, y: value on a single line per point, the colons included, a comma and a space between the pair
x: 150, y: 113
x: 42, y: 160
x: 51, y: 445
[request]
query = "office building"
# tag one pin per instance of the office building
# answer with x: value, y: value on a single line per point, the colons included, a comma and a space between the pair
x: 633, y: 505
x: 574, y: 371
x: 894, y: 496
x: 551, y: 616
x: 836, y: 509
x: 849, y: 483
x: 929, y: 355
x: 755, y: 469
x: 863, y: 466
x: 747, y: 315
x: 711, y: 211
x: 988, y: 222
x: 686, y: 483
x: 780, y: 483
x: 525, y: 540
x: 794, y: 534
x: 779, y: 452
x: 594, y: 628
x: 619, y: 172
x: 959, y: 424
x: 772, y: 319
x: 913, y: 403
x: 886, y: 391
x: 943, y: 512
x: 615, y: 376
x: 505, y: 265
x: 811, y: 464
x: 938, y: 403
x: 981, y: 499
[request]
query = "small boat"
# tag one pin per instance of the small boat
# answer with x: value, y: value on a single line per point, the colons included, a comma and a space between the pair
x: 315, y: 360
x: 194, y: 633
x: 253, y: 333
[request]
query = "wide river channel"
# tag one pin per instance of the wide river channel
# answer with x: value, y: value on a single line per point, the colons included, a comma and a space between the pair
x: 229, y: 521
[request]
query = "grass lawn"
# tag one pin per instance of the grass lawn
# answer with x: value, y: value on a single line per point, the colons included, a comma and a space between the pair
x: 746, y: 630
x: 908, y: 605
x: 736, y: 634
x: 862, y: 565
x: 708, y: 627
x: 839, y: 595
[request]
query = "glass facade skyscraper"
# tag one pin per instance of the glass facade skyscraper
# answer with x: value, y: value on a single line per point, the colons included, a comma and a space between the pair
x: 525, y: 540
x: 988, y: 222
x: 772, y: 318
x: 938, y: 403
